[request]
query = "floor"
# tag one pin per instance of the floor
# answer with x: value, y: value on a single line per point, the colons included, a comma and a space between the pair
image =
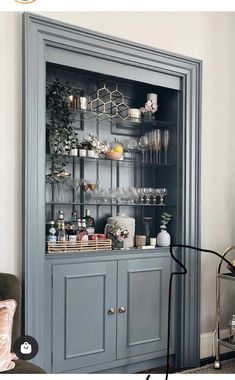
x: 159, y: 370
x: 227, y: 367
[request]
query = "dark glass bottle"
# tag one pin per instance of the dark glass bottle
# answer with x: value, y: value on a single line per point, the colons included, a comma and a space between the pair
x: 90, y: 223
x: 72, y: 227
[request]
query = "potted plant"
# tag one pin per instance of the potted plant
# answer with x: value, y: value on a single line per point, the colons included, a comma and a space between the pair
x: 148, y: 110
x: 117, y: 234
x: 61, y: 134
x: 93, y: 146
x: 58, y: 173
x: 163, y: 237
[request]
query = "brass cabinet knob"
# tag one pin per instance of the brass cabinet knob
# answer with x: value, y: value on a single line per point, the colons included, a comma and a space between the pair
x: 122, y: 310
x: 111, y: 311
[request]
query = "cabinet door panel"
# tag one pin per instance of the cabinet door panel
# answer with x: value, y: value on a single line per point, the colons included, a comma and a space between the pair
x: 83, y: 332
x: 143, y: 291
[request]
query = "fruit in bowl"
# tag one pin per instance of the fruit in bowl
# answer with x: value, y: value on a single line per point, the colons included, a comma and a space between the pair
x: 115, y: 153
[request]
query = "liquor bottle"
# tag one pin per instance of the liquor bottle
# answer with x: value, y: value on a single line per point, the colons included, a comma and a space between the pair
x: 72, y: 228
x: 59, y: 219
x: 62, y: 236
x: 83, y: 234
x: 90, y: 223
x: 79, y: 228
x: 51, y: 234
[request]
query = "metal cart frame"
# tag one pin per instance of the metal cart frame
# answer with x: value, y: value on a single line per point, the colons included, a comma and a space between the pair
x: 217, y: 341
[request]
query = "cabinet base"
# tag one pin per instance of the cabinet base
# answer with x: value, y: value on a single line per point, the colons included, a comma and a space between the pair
x: 132, y: 368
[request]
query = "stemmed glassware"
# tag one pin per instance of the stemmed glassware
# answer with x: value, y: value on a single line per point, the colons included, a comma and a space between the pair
x: 166, y: 141
x: 158, y: 145
x: 162, y: 192
x: 150, y: 136
x: 130, y: 196
x: 57, y: 181
x: 73, y: 184
x: 148, y: 193
x: 152, y: 141
x: 143, y: 145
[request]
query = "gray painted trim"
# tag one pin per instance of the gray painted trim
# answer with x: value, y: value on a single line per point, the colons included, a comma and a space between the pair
x: 40, y: 32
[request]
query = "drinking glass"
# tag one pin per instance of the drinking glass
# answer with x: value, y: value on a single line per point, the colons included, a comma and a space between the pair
x: 76, y: 185
x: 84, y: 185
x: 92, y: 184
x: 97, y: 197
x: 73, y: 184
x: 150, y: 137
x: 162, y: 192
x: 166, y: 141
x: 105, y: 195
x: 143, y: 145
x: 155, y: 195
x: 157, y: 145
x: 141, y: 195
x: 147, y: 193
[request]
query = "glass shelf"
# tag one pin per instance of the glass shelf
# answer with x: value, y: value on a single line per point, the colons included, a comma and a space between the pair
x: 226, y: 343
x: 79, y: 114
x: 120, y: 162
x: 108, y: 204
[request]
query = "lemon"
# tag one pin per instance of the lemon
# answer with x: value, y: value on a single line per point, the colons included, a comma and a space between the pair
x: 118, y: 149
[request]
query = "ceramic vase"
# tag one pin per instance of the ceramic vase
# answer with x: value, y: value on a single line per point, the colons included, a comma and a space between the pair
x: 163, y: 239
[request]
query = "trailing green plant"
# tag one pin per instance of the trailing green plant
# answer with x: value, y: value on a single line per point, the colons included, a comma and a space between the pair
x: 58, y: 104
x: 62, y: 137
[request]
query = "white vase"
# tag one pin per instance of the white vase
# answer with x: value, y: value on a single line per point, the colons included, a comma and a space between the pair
x: 91, y: 153
x: 74, y: 152
x: 82, y: 152
x: 163, y: 239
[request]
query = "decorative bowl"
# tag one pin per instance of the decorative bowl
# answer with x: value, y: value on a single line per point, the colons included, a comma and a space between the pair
x: 111, y: 155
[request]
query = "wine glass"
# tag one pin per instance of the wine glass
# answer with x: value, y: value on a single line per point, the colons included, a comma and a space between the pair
x: 92, y: 184
x: 157, y: 145
x: 76, y: 185
x: 166, y: 141
x: 155, y: 195
x: 73, y: 184
x: 148, y: 193
x: 141, y: 194
x: 143, y: 145
x: 162, y: 192
x: 150, y: 137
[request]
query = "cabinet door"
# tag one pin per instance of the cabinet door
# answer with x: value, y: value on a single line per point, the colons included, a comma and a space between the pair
x: 143, y: 292
x: 83, y: 332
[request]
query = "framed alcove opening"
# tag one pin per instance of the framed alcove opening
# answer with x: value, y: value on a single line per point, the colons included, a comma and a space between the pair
x: 57, y: 50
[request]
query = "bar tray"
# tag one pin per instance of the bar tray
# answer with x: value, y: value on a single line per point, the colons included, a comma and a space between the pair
x: 79, y: 246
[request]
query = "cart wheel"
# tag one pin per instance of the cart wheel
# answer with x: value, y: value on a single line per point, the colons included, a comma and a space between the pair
x: 217, y: 365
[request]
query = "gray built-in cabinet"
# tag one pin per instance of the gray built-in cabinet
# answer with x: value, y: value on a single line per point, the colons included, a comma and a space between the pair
x: 107, y: 311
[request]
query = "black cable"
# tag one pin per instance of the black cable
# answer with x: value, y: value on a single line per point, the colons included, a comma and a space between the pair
x: 170, y: 288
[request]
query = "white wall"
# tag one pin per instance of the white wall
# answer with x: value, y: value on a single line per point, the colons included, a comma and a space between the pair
x: 207, y: 36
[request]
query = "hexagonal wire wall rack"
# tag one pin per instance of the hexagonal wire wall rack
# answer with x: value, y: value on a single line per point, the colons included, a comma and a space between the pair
x: 109, y: 102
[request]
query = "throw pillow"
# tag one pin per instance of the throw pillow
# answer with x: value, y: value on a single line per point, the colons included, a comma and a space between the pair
x: 7, y: 311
